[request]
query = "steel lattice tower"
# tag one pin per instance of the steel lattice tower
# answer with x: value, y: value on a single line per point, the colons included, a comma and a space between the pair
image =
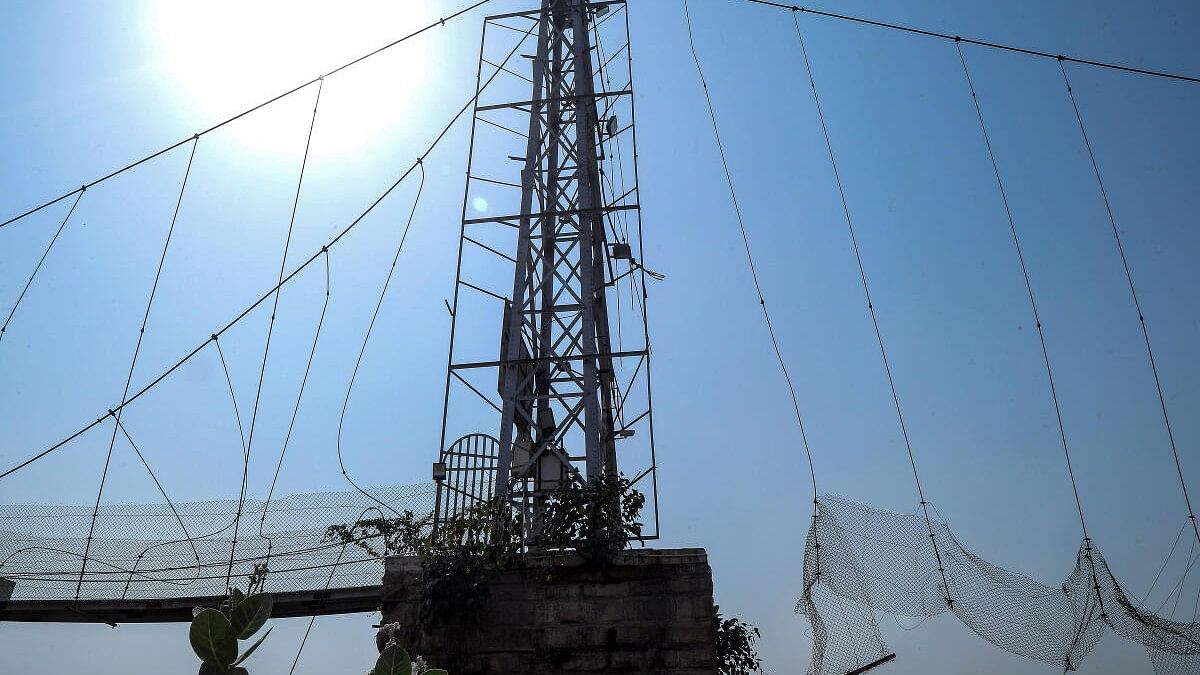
x: 562, y: 406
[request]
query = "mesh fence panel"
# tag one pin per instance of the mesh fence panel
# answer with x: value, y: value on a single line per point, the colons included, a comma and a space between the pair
x: 859, y: 560
x: 140, y: 551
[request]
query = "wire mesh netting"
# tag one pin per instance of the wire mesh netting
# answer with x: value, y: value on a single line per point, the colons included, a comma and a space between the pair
x: 144, y: 551
x: 859, y: 560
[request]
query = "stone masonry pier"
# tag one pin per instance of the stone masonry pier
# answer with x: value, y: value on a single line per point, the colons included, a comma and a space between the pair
x: 650, y: 612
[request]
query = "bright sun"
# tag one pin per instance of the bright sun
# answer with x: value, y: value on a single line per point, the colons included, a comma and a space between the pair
x: 228, y: 55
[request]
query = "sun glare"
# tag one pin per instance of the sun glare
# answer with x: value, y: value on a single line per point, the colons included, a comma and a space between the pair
x: 228, y: 55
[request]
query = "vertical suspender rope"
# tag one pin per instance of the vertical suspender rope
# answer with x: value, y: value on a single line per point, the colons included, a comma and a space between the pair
x: 262, y: 372
x: 328, y: 582
x: 312, y: 352
x: 1062, y: 433
x: 762, y: 303
x: 1137, y: 305
x: 133, y: 364
x: 37, y: 268
x: 367, y: 338
x: 445, y: 130
x: 191, y: 541
x: 941, y: 567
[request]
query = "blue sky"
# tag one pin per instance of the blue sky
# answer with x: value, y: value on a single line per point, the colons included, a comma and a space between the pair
x: 97, y: 84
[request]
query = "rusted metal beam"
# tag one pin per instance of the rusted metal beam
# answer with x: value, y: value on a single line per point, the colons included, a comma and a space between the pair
x: 289, y: 604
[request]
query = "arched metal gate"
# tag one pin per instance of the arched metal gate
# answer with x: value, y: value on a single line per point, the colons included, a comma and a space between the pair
x: 465, y: 475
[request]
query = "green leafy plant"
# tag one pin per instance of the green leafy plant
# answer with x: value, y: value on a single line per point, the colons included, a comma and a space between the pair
x: 215, y: 632
x: 455, y: 562
x: 595, y: 518
x: 735, y: 646
x: 407, y: 534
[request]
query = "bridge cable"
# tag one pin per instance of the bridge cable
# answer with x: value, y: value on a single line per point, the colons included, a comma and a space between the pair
x: 245, y: 456
x: 982, y: 43
x: 367, y: 338
x: 116, y: 414
x: 262, y: 372
x: 291, y: 553
x: 38, y: 267
x: 871, y: 309
x: 174, y: 511
x: 263, y: 298
x: 315, y: 80
x: 1162, y: 568
x: 762, y: 303
x: 1062, y: 433
x: 383, y: 291
x: 1137, y: 305
x: 237, y: 415
x: 328, y: 582
x: 1177, y: 589
x: 295, y: 411
x: 190, y: 580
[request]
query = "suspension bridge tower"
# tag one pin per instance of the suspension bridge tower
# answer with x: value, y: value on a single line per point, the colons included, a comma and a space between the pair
x: 549, y: 249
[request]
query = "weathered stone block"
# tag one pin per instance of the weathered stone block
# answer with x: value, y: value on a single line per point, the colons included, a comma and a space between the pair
x: 650, y: 612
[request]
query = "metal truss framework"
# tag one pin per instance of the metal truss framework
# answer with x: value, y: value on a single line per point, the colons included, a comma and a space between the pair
x: 564, y: 389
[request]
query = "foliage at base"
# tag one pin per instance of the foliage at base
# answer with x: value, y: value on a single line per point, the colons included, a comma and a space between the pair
x: 596, y: 519
x: 735, y: 646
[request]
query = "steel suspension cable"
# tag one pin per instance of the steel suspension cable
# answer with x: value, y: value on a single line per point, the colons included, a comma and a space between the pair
x: 982, y: 43
x: 1016, y: 240
x: 295, y: 411
x: 190, y: 580
x: 862, y: 272
x: 262, y: 372
x: 263, y: 298
x: 133, y: 364
x: 762, y: 303
x: 328, y: 581
x: 315, y: 80
x: 479, y: 89
x: 367, y: 338
x: 1137, y: 305
x: 290, y: 553
x: 237, y: 415
x: 174, y: 511
x: 37, y: 268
